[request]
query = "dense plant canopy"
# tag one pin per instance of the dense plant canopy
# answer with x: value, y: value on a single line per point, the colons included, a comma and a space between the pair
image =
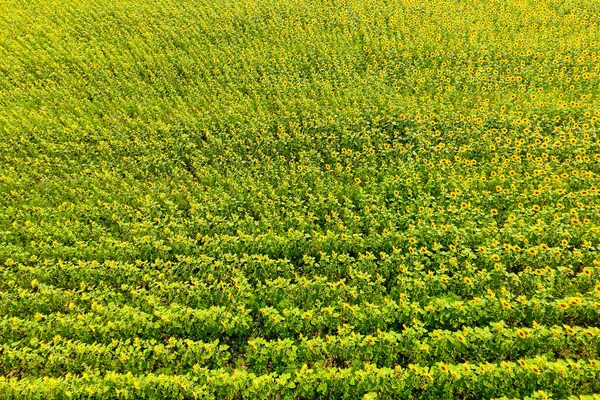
x: 299, y: 199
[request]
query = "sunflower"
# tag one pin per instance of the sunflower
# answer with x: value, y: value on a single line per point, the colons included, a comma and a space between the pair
x: 443, y: 368
x: 522, y: 333
x: 575, y: 301
x: 569, y: 330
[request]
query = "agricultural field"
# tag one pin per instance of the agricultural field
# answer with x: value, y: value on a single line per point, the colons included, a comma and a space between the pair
x: 294, y: 199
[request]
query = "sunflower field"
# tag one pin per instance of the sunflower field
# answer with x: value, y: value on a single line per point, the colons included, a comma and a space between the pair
x: 296, y: 199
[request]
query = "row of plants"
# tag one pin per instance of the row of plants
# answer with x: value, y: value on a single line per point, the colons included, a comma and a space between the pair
x: 346, y: 347
x: 468, y: 380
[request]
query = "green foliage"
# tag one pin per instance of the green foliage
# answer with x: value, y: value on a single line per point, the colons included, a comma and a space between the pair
x: 324, y: 199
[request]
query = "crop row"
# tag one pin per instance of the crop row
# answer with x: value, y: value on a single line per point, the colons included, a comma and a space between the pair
x: 27, y: 290
x: 561, y: 377
x: 413, y: 345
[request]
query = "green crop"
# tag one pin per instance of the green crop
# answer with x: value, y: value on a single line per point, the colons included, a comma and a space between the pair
x: 300, y: 199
